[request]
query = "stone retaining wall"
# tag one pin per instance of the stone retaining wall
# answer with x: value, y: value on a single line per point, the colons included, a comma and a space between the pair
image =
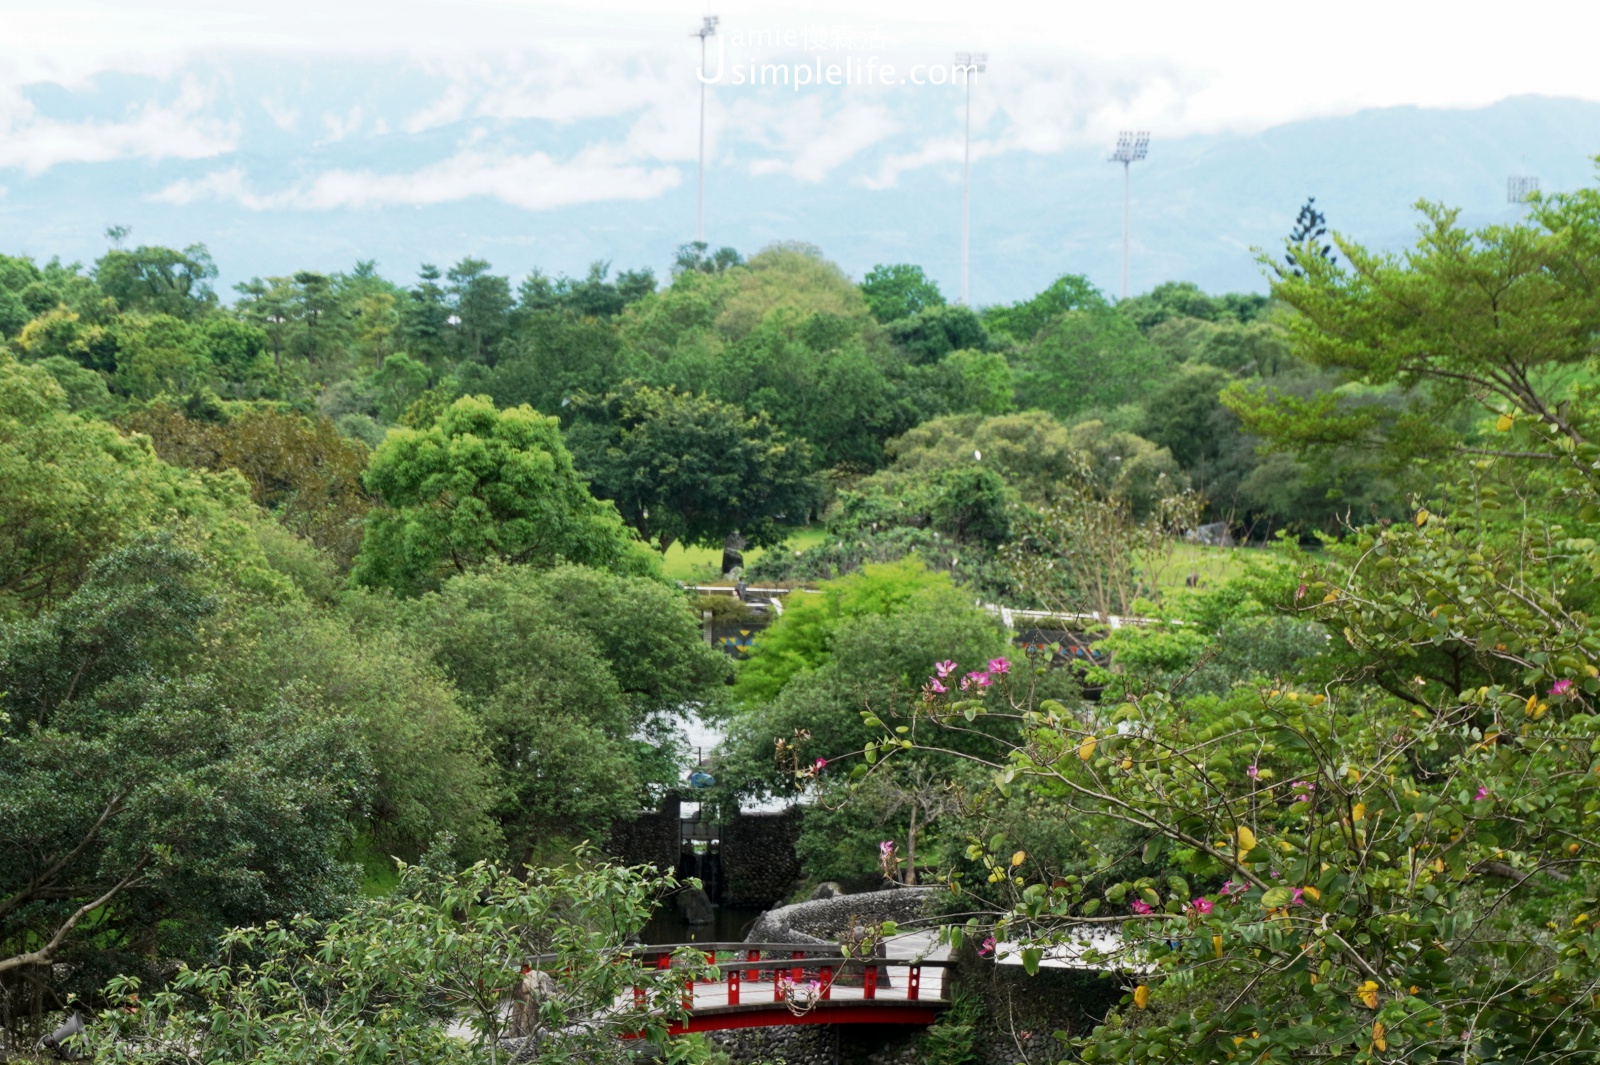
x: 756, y: 857
x: 648, y: 838
x: 759, y: 864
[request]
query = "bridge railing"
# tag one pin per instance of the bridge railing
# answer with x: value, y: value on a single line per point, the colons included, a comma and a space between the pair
x: 787, y: 966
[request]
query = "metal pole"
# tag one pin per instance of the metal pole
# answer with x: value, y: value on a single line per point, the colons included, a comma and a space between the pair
x: 966, y: 192
x: 1131, y: 147
x: 1126, y: 185
x: 700, y: 192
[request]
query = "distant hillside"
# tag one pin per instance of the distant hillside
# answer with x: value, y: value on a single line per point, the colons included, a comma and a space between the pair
x: 1200, y: 203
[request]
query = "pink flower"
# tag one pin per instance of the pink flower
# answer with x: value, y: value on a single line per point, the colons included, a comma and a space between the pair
x: 1253, y: 772
x: 981, y: 680
x: 1300, y: 593
x: 1561, y: 687
x: 945, y: 668
x: 1483, y: 793
x: 999, y: 665
x: 935, y: 687
x: 1139, y: 906
x: 819, y: 765
x: 1227, y: 888
x: 1202, y: 905
x: 1303, y: 790
x: 886, y: 848
x: 1298, y: 900
x: 987, y: 948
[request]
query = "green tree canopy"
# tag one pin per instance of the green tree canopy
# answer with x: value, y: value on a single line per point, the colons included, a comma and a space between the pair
x: 156, y: 280
x: 801, y: 640
x: 400, y: 977
x: 1088, y: 360
x: 931, y: 334
x: 575, y: 676
x: 1024, y: 320
x: 73, y: 489
x: 302, y: 471
x: 482, y: 484
x: 690, y: 469
x: 1501, y: 317
x: 899, y: 291
x: 138, y: 802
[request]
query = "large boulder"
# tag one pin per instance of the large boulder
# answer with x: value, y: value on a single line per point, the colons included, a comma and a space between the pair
x: 825, y: 920
x: 535, y: 989
x: 694, y: 906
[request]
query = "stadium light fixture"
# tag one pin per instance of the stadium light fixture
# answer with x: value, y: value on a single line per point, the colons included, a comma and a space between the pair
x: 1131, y: 147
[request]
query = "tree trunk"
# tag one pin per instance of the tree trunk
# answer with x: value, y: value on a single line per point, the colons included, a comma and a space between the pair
x: 911, y: 849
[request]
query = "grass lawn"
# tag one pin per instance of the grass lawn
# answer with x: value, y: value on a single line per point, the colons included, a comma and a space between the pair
x: 1213, y: 565
x: 698, y: 565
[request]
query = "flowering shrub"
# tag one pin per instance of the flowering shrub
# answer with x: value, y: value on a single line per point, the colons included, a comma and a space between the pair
x: 1392, y: 861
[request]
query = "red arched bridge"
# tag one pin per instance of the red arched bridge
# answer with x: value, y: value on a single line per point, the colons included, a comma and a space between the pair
x: 767, y: 984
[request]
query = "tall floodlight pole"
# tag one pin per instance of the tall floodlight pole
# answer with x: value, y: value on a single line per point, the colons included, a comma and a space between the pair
x: 1131, y: 147
x: 1519, y: 188
x: 708, y: 28
x: 969, y: 63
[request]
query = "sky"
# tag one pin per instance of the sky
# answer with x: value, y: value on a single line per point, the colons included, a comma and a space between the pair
x: 429, y: 129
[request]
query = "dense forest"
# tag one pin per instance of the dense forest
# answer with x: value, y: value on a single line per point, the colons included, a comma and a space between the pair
x: 343, y: 570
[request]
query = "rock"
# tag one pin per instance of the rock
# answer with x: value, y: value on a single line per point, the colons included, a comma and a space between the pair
x: 732, y: 555
x: 1212, y: 534
x: 828, y: 889
x: 535, y: 989
x: 823, y: 920
x: 694, y: 906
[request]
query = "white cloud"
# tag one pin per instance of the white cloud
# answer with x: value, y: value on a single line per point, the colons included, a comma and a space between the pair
x: 535, y: 182
x: 35, y: 142
x: 218, y: 185
x: 283, y: 116
x: 812, y: 139
x: 339, y: 128
x: 448, y: 108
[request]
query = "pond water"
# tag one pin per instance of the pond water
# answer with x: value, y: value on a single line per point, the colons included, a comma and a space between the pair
x: 732, y: 924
